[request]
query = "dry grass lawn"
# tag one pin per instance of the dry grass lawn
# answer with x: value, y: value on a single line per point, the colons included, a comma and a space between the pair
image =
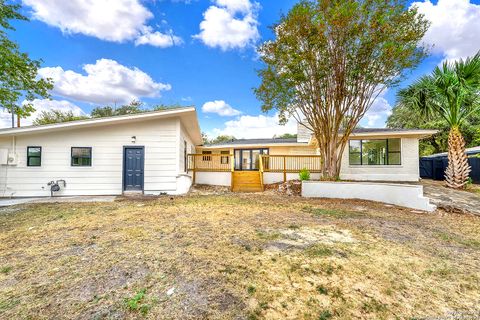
x: 236, y: 256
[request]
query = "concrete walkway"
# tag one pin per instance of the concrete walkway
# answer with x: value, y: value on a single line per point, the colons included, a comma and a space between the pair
x: 16, y: 201
x: 451, y: 200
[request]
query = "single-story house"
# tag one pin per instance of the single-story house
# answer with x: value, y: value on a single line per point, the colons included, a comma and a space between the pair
x: 143, y: 152
x: 371, y: 155
x: 162, y: 152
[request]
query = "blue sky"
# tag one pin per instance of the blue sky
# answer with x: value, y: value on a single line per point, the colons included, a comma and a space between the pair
x: 196, y: 52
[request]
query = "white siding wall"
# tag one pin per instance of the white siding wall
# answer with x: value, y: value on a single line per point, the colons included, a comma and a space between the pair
x: 159, y: 137
x: 407, y: 171
x: 184, y: 181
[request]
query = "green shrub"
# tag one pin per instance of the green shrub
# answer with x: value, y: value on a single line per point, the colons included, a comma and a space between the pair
x: 469, y: 183
x: 304, y: 175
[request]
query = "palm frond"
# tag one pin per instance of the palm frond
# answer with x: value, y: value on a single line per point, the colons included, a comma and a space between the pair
x: 452, y: 91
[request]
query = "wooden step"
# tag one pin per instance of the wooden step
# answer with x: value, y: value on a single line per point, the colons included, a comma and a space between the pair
x: 246, y: 181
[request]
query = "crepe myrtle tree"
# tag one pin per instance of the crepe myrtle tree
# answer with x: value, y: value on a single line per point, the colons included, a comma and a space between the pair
x: 331, y: 59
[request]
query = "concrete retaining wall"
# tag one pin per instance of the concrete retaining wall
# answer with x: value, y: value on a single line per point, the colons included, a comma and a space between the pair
x: 410, y: 196
x: 214, y: 178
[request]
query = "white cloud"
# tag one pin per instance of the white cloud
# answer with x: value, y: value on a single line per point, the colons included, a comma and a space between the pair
x: 40, y: 105
x: 110, y: 20
x: 106, y: 81
x: 455, y: 27
x: 221, y: 108
x: 379, y: 110
x: 158, y: 39
x: 243, y: 6
x: 261, y: 126
x: 230, y: 24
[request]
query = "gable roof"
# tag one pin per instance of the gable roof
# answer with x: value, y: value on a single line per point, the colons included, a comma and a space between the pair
x: 187, y: 115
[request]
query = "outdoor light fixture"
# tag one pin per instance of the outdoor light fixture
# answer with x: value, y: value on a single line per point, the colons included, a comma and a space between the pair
x: 134, y: 139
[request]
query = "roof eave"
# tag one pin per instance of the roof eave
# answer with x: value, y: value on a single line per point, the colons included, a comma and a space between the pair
x: 100, y: 121
x: 248, y: 145
x: 414, y: 133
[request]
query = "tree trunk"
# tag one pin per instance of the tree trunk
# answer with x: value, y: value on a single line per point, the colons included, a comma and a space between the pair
x: 458, y: 168
x: 331, y: 158
x: 18, y: 121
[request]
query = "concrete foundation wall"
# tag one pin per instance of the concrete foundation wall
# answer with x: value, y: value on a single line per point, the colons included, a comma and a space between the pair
x: 214, y: 178
x: 410, y: 196
x: 274, y: 177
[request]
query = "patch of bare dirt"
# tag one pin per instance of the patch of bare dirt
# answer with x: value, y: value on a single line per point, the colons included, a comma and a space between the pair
x: 203, y: 189
x: 202, y: 299
x: 301, y: 238
x: 289, y: 188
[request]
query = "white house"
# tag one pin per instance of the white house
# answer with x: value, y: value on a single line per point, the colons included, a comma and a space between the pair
x: 162, y: 152
x: 106, y: 156
x: 371, y: 155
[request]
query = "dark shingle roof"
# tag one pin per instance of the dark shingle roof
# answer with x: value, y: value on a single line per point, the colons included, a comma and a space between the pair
x: 252, y: 141
x: 373, y: 130
x: 294, y: 140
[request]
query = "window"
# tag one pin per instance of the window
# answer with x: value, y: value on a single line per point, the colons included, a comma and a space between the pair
x: 207, y: 158
x: 375, y: 152
x: 81, y: 157
x: 34, y: 156
x: 224, y: 159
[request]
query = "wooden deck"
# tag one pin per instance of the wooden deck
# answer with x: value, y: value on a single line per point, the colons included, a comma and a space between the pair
x: 252, y: 181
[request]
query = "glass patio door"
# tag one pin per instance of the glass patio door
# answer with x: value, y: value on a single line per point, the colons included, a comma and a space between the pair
x: 248, y: 159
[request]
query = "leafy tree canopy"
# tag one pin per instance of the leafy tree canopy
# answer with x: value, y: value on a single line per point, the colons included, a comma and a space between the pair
x: 221, y: 139
x: 133, y: 107
x: 18, y: 73
x: 287, y: 136
x: 330, y: 60
x: 161, y: 107
x: 56, y: 116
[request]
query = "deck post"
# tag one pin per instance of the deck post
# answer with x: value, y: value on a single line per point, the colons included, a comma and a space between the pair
x: 284, y: 169
x: 194, y: 169
x: 232, y: 169
x: 260, y: 164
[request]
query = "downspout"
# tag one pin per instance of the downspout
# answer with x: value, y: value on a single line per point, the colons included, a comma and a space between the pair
x: 14, y: 147
x: 14, y: 144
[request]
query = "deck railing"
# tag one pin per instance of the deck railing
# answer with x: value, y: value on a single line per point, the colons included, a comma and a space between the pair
x: 291, y: 163
x: 266, y: 163
x: 210, y: 162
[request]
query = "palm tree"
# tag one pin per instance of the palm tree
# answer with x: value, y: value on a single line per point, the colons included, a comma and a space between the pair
x: 453, y: 92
